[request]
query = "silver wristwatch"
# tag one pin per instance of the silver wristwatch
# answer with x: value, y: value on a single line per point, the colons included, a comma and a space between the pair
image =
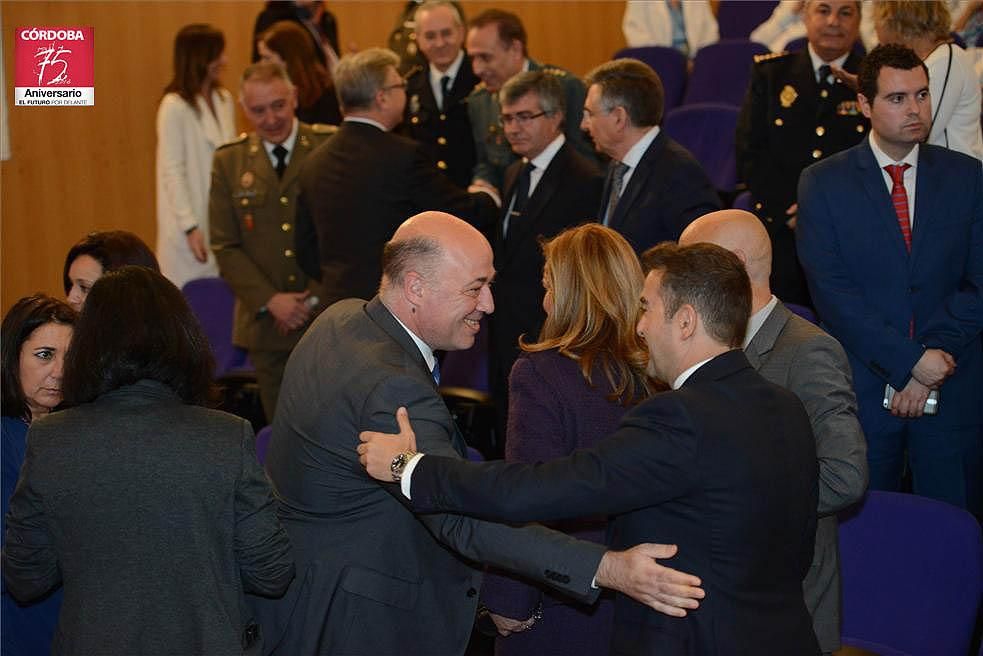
x: 399, y: 463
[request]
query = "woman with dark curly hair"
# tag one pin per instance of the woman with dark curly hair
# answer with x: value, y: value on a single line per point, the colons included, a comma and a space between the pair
x: 33, y: 340
x: 97, y: 253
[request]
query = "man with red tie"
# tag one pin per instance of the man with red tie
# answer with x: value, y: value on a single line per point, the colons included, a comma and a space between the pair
x: 890, y: 234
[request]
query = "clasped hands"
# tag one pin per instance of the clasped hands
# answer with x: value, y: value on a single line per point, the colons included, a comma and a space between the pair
x: 634, y: 572
x: 929, y: 373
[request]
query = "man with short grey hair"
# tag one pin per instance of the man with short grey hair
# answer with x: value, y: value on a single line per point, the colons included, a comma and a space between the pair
x: 550, y: 188
x: 654, y: 186
x: 357, y: 189
x: 252, y: 206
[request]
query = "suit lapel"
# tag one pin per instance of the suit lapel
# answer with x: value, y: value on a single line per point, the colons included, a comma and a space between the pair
x: 638, y: 182
x: 764, y: 340
x: 880, y: 200
x: 926, y: 203
x: 540, y: 199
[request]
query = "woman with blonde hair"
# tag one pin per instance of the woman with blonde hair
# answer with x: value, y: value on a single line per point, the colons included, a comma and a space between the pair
x: 925, y: 28
x: 196, y: 116
x: 567, y: 390
x: 288, y: 44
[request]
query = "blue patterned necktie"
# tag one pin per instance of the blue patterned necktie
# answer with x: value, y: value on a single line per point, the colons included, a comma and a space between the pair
x: 436, y: 371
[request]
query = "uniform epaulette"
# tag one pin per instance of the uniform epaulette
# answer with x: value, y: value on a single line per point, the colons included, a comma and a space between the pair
x: 413, y: 71
x: 235, y: 142
x: 478, y: 88
x: 553, y: 70
x: 323, y: 128
x: 770, y: 56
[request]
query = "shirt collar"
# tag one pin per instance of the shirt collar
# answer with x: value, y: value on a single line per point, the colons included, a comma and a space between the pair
x: 367, y: 121
x: 288, y: 143
x: 817, y: 61
x: 883, y: 159
x: 543, y: 159
x: 635, y: 153
x: 451, y: 71
x: 425, y: 350
x: 683, y: 377
x: 758, y: 319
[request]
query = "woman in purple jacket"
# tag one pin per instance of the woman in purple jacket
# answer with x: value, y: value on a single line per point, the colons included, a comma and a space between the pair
x: 567, y: 391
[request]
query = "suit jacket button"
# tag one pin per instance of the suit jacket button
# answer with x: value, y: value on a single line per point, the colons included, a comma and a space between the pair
x: 472, y: 592
x: 285, y: 227
x: 442, y: 141
x: 779, y: 122
x: 443, y: 117
x: 442, y: 165
x: 288, y: 253
x: 284, y: 200
x: 820, y: 130
x: 816, y: 154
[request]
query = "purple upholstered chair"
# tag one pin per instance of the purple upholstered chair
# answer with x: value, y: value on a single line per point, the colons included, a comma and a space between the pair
x: 213, y: 303
x: 263, y: 443
x: 669, y: 63
x: 738, y: 18
x: 707, y: 131
x: 743, y: 202
x: 911, y: 569
x: 722, y: 72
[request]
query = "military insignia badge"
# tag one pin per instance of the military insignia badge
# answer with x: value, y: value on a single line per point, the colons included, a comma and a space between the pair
x: 247, y: 179
x: 848, y: 108
x: 248, y: 223
x: 787, y: 96
x: 414, y: 104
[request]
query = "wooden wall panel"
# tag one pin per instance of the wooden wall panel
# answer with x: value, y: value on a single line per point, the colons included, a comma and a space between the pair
x: 77, y: 169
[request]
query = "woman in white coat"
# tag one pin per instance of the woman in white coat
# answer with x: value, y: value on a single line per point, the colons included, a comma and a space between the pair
x: 195, y: 117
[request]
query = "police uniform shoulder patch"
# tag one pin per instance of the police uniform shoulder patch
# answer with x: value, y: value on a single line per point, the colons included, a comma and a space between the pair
x: 771, y: 56
x: 235, y: 142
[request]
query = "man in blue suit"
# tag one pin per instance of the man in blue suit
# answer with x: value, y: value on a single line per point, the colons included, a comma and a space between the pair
x: 890, y: 235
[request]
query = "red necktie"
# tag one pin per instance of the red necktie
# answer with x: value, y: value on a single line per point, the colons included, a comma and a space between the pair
x: 900, y: 199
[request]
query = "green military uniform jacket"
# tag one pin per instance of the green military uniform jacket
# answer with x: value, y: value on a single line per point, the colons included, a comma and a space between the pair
x: 492, y: 150
x: 251, y: 216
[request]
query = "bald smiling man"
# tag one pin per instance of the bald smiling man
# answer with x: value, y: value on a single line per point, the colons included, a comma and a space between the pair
x: 791, y: 352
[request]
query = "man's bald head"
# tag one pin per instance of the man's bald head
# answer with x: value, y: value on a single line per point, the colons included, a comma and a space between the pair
x: 423, y: 241
x: 437, y: 272
x: 739, y: 232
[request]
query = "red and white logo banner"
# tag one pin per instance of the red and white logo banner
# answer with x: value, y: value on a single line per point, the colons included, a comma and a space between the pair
x: 54, y: 66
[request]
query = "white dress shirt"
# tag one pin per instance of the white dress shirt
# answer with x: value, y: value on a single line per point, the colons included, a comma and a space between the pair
x: 758, y: 319
x: 436, y: 75
x: 288, y: 143
x: 540, y: 161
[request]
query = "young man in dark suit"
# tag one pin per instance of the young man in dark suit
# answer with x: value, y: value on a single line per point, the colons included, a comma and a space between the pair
x: 551, y: 188
x: 654, y: 186
x: 791, y: 352
x: 891, y: 238
x: 724, y: 466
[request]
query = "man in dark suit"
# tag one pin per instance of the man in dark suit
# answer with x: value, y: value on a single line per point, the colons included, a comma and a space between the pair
x: 497, y: 46
x: 891, y: 238
x: 436, y: 112
x: 654, y: 186
x: 551, y: 188
x: 724, y: 466
x: 358, y: 188
x: 373, y: 578
x: 797, y: 112
x: 252, y: 201
x: 791, y: 352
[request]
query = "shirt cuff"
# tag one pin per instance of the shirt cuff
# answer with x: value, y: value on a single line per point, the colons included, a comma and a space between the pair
x: 404, y: 481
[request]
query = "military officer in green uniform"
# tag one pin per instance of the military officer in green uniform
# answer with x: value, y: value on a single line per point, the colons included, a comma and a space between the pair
x: 496, y: 43
x: 251, y: 212
x: 796, y: 112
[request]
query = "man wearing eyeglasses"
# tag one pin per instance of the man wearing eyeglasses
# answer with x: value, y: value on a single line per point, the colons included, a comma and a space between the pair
x: 550, y: 188
x: 655, y: 187
x: 355, y: 193
x: 496, y: 43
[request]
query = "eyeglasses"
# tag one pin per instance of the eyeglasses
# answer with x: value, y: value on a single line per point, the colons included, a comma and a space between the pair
x: 522, y: 118
x: 398, y: 85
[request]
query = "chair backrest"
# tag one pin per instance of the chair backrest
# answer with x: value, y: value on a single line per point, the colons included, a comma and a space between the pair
x: 212, y: 301
x: 474, y: 413
x: 669, y: 63
x: 736, y: 19
x: 722, y: 72
x: 743, y: 202
x: 263, y: 443
x: 707, y: 131
x: 911, y: 571
x: 468, y: 368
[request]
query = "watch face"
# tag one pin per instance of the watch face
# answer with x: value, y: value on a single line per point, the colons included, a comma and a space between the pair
x: 396, y: 467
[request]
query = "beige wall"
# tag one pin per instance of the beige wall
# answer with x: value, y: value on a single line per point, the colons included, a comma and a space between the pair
x: 77, y: 169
